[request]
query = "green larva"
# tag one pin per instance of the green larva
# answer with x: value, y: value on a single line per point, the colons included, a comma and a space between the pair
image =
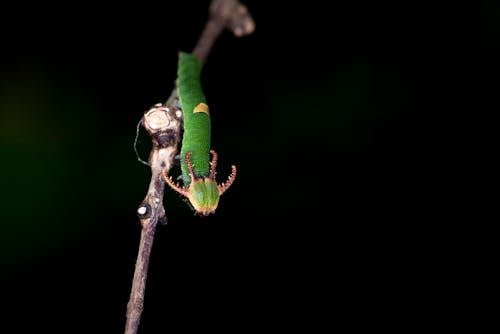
x: 196, y: 137
x: 198, y: 172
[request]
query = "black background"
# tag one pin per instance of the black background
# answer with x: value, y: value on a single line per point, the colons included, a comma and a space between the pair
x: 340, y: 118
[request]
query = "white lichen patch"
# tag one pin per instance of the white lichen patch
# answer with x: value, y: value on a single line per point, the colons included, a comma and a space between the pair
x: 142, y: 210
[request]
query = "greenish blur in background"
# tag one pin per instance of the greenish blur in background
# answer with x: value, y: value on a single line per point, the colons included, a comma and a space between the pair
x: 331, y: 116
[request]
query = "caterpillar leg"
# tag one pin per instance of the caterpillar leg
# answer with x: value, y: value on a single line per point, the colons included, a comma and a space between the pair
x: 225, y: 186
x: 181, y: 190
x: 213, y: 165
x: 189, y: 164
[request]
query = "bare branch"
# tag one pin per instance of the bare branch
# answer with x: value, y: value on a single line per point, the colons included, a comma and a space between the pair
x: 163, y: 124
x: 228, y: 14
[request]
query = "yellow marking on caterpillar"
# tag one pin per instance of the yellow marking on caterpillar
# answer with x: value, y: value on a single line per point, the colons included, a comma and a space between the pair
x: 202, y: 107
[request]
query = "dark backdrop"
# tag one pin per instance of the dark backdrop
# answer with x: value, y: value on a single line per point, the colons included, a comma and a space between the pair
x: 331, y: 113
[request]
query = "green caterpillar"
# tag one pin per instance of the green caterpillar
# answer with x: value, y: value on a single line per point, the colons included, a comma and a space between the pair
x: 198, y: 172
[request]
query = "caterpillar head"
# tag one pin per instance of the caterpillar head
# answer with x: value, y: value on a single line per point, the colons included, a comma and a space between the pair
x: 203, y: 193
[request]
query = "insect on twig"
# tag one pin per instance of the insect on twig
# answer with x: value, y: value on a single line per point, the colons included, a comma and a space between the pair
x: 164, y: 124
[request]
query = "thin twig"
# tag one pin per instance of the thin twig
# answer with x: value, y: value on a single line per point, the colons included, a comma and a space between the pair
x: 228, y: 14
x: 164, y: 124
